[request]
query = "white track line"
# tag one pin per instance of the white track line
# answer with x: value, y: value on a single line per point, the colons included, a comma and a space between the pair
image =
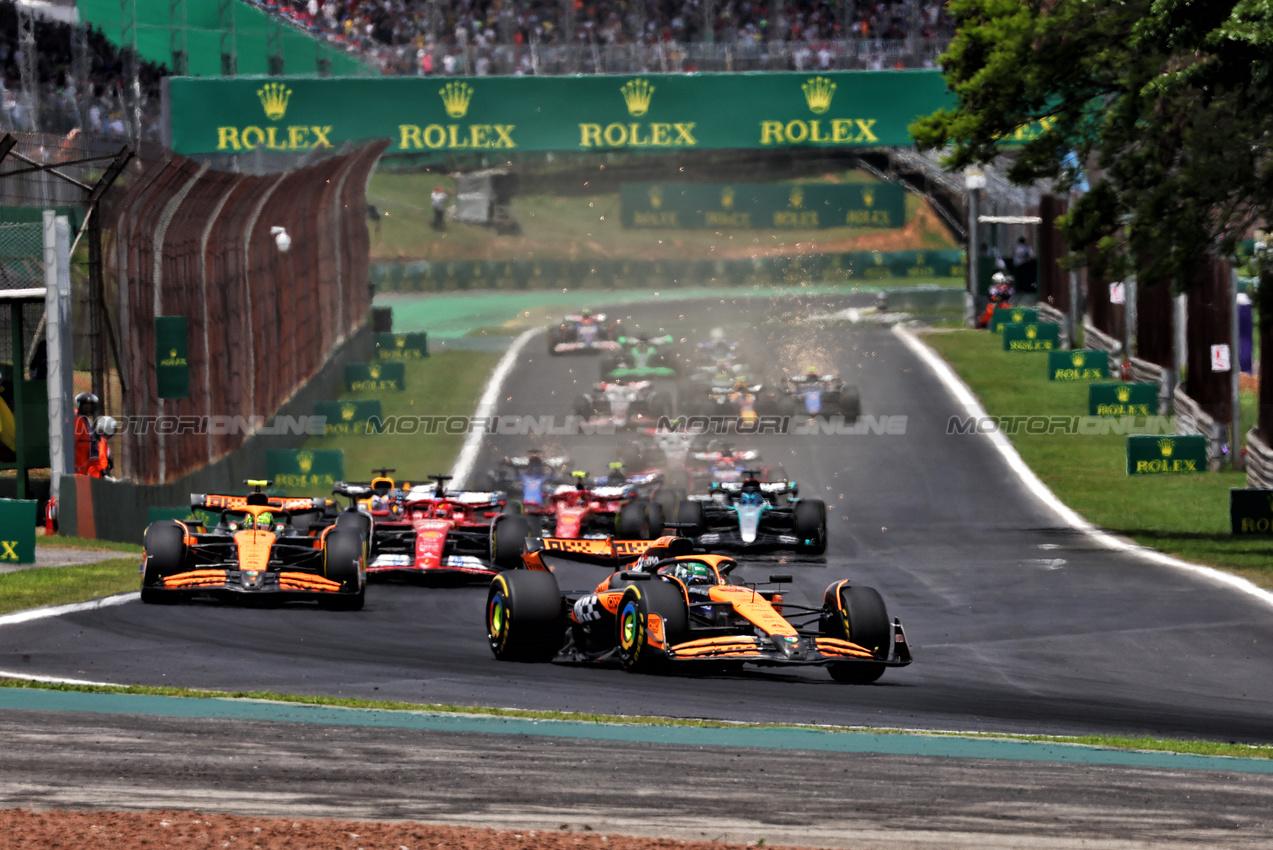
x: 54, y: 680
x: 966, y: 399
x: 59, y: 610
x: 486, y: 407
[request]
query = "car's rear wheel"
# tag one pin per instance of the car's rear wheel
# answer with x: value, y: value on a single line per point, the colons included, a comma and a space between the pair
x: 811, y: 526
x: 633, y: 522
x: 860, y: 617
x: 584, y: 407
x: 165, y: 552
x: 523, y: 616
x: 850, y: 403
x: 343, y: 562
x: 691, y: 513
x: 554, y: 338
x: 640, y: 649
x: 358, y: 522
x: 508, y: 541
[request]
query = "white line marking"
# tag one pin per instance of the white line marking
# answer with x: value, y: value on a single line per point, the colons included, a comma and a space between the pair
x: 54, y: 680
x: 485, y: 407
x: 965, y: 397
x: 59, y: 610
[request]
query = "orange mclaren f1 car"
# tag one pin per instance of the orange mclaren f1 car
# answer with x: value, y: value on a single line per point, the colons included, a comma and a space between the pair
x: 673, y: 607
x: 261, y: 546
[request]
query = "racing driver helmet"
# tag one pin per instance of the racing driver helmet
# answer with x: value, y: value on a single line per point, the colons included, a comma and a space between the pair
x: 264, y: 520
x: 694, y: 572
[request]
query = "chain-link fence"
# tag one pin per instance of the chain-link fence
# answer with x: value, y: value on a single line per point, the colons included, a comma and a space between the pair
x: 198, y: 243
x: 21, y: 268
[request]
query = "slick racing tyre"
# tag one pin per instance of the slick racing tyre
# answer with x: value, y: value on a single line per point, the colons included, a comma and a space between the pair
x: 554, y: 338
x: 508, y: 541
x: 633, y: 522
x: 523, y: 616
x: 584, y: 407
x: 355, y: 520
x: 811, y: 526
x: 165, y: 547
x: 859, y: 616
x: 641, y: 647
x: 850, y: 404
x: 691, y: 513
x: 343, y: 562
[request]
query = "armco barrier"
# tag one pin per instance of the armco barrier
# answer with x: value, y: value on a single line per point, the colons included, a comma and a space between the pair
x: 866, y: 267
x: 118, y: 510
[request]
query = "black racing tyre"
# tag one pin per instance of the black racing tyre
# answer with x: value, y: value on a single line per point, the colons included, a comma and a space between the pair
x: 637, y: 652
x: 632, y: 522
x: 850, y: 404
x: 508, y: 541
x: 811, y: 525
x: 787, y: 406
x: 554, y: 338
x: 343, y: 562
x: 657, y: 515
x: 584, y: 407
x: 692, y: 513
x: 512, y: 507
x: 165, y: 548
x: 524, y: 616
x: 859, y: 618
x: 668, y: 501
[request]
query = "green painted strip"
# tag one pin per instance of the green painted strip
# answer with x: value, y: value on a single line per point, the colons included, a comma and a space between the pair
x: 682, y: 736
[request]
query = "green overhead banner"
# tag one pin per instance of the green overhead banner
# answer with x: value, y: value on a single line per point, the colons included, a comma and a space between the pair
x: 172, y: 363
x: 502, y: 115
x: 1081, y: 364
x: 764, y: 205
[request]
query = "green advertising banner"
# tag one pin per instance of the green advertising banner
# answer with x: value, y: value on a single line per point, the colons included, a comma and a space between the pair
x: 413, y: 346
x: 347, y: 417
x: 1022, y: 315
x: 312, y: 471
x: 1078, y: 365
x: 181, y: 514
x: 1031, y: 336
x: 375, y: 376
x: 172, y: 364
x: 1122, y: 400
x: 501, y: 115
x: 17, y: 531
x: 1150, y: 455
x: 761, y: 205
x: 1251, y: 511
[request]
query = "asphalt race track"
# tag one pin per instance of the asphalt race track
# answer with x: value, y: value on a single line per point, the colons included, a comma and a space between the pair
x: 1017, y: 624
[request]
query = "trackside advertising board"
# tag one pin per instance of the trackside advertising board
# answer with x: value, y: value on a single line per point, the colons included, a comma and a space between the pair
x: 1153, y: 455
x: 1031, y: 336
x: 503, y: 115
x: 391, y: 376
x: 765, y: 205
x: 1122, y: 400
x: 17, y: 531
x: 314, y: 471
x: 347, y: 417
x: 1001, y: 316
x: 1251, y: 511
x: 1078, y: 365
x: 412, y: 346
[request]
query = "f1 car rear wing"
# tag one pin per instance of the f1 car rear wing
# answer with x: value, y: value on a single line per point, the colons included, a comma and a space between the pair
x: 606, y: 552
x: 222, y: 502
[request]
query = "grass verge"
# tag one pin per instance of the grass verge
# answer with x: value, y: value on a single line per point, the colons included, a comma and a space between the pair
x: 446, y: 384
x: 60, y: 542
x: 1203, y: 748
x: 42, y: 586
x: 1182, y: 515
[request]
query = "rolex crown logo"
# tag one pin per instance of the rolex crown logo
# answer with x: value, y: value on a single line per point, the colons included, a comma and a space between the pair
x: 919, y: 258
x: 877, y: 257
x: 1124, y: 394
x: 274, y: 97
x: 347, y: 411
x: 1077, y: 359
x: 1166, y: 445
x: 172, y: 353
x: 400, y: 341
x: 456, y: 97
x: 797, y: 197
x: 727, y: 197
x: 818, y: 93
x: 305, y: 461
x: 373, y: 370
x: 1017, y: 315
x: 1031, y: 331
x: 656, y: 196
x: 637, y: 94
x: 868, y: 197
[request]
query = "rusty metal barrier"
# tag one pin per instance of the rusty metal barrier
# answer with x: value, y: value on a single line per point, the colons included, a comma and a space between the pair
x: 193, y: 242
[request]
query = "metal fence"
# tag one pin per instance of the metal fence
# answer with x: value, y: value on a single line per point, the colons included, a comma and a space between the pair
x: 198, y: 243
x: 21, y: 267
